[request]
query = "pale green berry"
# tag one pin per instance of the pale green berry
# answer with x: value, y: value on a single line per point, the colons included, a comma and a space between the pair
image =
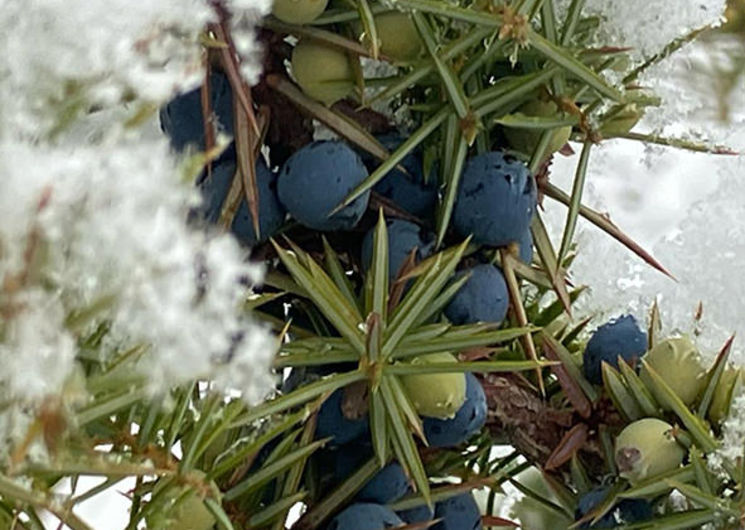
x: 730, y: 384
x: 398, y: 36
x: 678, y: 363
x: 324, y: 73
x: 533, y: 513
x: 622, y: 121
x: 298, y: 11
x: 436, y: 395
x: 525, y: 140
x: 647, y: 448
x: 192, y: 514
x: 189, y: 513
x: 622, y: 64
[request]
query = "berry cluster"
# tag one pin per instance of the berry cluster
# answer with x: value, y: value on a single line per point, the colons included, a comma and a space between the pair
x: 671, y: 378
x: 369, y: 238
x: 495, y: 205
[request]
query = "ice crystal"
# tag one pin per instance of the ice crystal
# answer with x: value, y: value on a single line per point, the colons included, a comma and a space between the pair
x: 732, y: 447
x: 246, y: 14
x: 113, y: 226
x: 64, y: 56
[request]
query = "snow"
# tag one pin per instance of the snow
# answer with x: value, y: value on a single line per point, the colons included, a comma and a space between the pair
x: 94, y: 210
x: 150, y: 49
x: 733, y: 435
x: 685, y: 207
x: 688, y: 210
x: 648, y: 25
x: 697, y: 100
x: 113, y: 226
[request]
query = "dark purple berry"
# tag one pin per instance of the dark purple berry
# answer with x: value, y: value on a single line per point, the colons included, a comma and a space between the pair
x: 386, y: 486
x: 526, y: 247
x: 215, y: 189
x: 469, y: 419
x: 626, y: 511
x: 621, y: 336
x: 483, y: 298
x: 365, y: 516
x: 316, y: 178
x: 496, y: 200
x: 458, y: 513
x: 403, y: 236
x: 408, y: 191
x: 333, y: 423
x: 181, y: 118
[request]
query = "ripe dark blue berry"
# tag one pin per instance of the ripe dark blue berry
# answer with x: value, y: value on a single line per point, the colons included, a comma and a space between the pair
x: 410, y: 192
x: 365, y: 516
x: 526, y: 247
x: 386, y: 486
x: 419, y: 514
x: 215, y: 189
x: 332, y: 421
x: 469, y: 419
x: 496, y: 199
x: 625, y: 512
x: 458, y: 513
x: 483, y: 298
x: 316, y: 178
x: 403, y: 236
x: 621, y: 336
x: 181, y: 118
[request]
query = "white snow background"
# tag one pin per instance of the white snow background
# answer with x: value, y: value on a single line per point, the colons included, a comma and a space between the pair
x: 687, y: 208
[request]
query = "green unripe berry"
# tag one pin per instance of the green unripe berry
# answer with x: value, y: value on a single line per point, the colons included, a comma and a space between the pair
x: 730, y: 384
x: 398, y: 36
x: 324, y: 73
x: 189, y: 513
x: 192, y: 514
x: 525, y: 140
x: 436, y: 395
x: 678, y: 363
x: 621, y: 121
x: 622, y: 64
x: 298, y: 11
x: 647, y: 448
x: 533, y: 513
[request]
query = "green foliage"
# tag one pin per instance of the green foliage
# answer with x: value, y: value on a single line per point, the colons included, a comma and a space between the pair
x: 244, y: 467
